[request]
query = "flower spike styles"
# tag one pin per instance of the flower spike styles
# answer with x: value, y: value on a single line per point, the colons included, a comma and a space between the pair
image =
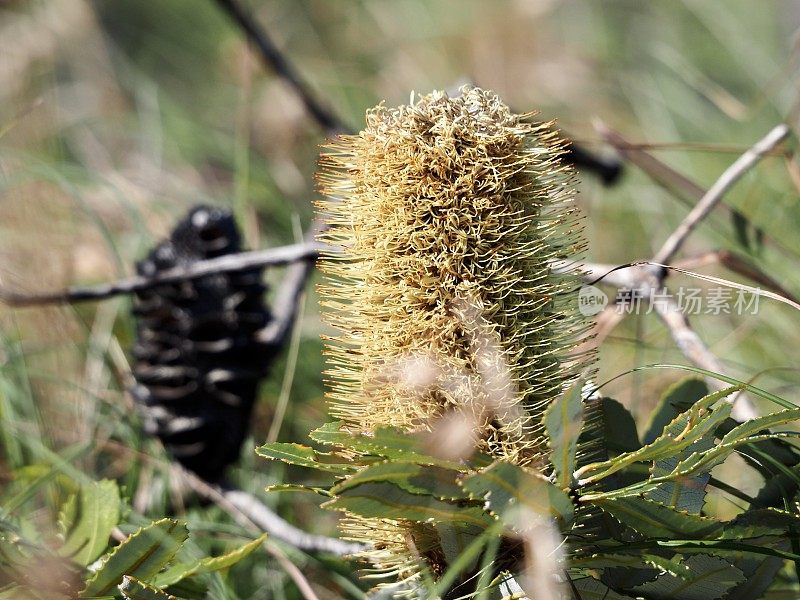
x: 447, y: 215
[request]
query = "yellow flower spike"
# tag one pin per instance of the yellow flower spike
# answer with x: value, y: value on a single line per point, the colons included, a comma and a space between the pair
x: 447, y: 215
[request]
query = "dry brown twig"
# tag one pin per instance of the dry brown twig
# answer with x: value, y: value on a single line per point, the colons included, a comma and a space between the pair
x: 646, y: 279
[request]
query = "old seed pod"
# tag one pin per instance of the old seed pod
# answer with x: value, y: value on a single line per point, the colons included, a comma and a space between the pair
x: 198, y: 361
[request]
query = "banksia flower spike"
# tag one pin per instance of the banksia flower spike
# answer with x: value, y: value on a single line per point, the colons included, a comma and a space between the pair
x: 447, y: 215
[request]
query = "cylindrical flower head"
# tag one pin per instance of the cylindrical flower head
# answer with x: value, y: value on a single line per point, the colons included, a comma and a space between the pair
x: 448, y: 215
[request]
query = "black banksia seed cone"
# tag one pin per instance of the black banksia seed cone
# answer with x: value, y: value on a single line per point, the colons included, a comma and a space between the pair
x: 198, y: 361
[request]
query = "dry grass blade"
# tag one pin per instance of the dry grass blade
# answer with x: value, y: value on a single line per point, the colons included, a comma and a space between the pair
x: 738, y: 264
x: 681, y: 186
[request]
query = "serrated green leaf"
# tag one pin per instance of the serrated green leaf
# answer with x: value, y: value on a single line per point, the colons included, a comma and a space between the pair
x: 711, y: 578
x: 92, y: 518
x: 759, y: 523
x: 676, y: 399
x: 635, y: 561
x: 303, y: 456
x: 705, y: 461
x: 141, y: 555
x: 413, y: 478
x: 298, y: 487
x: 388, y: 501
x: 757, y: 580
x: 760, y: 424
x: 513, y: 494
x: 682, y: 432
x: 133, y: 589
x: 386, y: 442
x: 590, y: 588
x: 655, y: 520
x: 563, y: 421
x: 684, y: 493
x: 181, y: 571
x: 608, y: 430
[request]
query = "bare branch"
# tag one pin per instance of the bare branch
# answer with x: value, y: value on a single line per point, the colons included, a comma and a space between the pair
x: 646, y: 278
x: 642, y: 279
x: 710, y: 199
x: 277, y: 61
x: 287, y: 302
x: 698, y: 353
x: 627, y: 276
x: 679, y: 186
x: 300, y: 254
x: 251, y: 513
x: 303, y: 585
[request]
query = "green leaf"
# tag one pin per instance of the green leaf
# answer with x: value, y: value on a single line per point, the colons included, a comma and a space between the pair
x: 682, y: 432
x: 678, y: 397
x: 387, y: 442
x: 512, y: 493
x: 90, y: 520
x: 761, y: 522
x: 590, y: 588
x: 704, y: 461
x: 298, y: 487
x: 620, y: 427
x: 413, y: 478
x: 655, y: 520
x: 303, y: 456
x: 181, y: 571
x: 608, y: 430
x: 758, y: 579
x: 388, y: 501
x: 635, y: 561
x: 563, y: 421
x: 142, y: 555
x: 133, y: 589
x: 687, y: 492
x: 684, y: 492
x: 758, y: 425
x: 711, y: 577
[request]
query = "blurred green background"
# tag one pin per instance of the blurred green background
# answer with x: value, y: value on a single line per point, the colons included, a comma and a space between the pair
x: 116, y: 117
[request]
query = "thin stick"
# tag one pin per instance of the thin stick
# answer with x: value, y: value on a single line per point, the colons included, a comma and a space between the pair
x: 710, y: 199
x: 250, y: 512
x: 679, y: 186
x: 738, y: 264
x: 295, y: 253
x: 646, y: 282
x: 277, y: 61
x: 303, y: 585
x: 286, y: 303
x: 698, y: 353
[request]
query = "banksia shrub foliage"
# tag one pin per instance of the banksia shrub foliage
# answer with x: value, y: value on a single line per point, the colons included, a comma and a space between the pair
x: 447, y: 220
x: 198, y: 361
